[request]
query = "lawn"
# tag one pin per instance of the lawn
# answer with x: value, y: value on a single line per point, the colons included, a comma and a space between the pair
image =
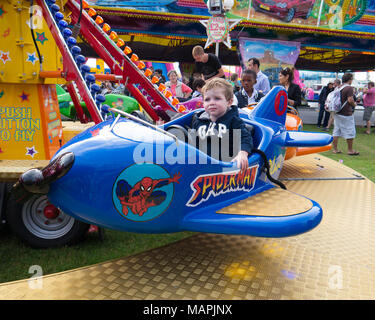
x: 365, y: 144
x: 17, y: 258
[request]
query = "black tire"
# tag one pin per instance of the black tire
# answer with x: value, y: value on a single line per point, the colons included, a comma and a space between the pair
x: 30, y: 224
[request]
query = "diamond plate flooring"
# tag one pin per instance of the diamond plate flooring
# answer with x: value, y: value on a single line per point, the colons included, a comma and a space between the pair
x: 336, y: 260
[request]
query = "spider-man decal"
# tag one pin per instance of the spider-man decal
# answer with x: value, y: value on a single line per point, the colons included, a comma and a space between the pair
x: 142, y: 196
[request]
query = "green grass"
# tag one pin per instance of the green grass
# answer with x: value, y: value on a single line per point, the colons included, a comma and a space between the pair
x: 16, y: 258
x: 365, y: 144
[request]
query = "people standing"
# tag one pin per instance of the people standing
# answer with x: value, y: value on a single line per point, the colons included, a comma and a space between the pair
x: 344, y: 124
x: 263, y: 84
x: 368, y: 104
x: 286, y: 77
x: 322, y: 100
x: 178, y: 89
x: 207, y: 64
x: 336, y: 86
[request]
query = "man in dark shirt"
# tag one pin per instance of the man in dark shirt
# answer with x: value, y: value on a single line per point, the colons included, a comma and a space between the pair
x: 322, y: 100
x: 207, y: 64
x: 344, y: 124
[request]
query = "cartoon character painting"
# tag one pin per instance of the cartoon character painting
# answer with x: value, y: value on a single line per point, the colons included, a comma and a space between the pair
x: 143, y: 191
x: 142, y: 196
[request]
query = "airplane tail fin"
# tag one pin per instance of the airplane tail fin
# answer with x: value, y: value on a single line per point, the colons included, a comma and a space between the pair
x: 273, y: 106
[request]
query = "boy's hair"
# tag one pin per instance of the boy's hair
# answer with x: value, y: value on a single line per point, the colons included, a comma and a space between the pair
x: 198, y: 83
x: 250, y: 73
x: 371, y: 84
x: 197, y: 51
x: 219, y: 83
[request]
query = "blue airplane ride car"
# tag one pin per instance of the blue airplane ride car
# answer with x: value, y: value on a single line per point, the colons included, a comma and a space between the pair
x: 126, y: 175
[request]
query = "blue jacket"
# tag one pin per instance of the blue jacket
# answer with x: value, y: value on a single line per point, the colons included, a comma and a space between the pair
x: 223, y: 143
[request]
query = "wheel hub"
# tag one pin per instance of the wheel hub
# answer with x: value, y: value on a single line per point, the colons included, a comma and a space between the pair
x: 51, y: 212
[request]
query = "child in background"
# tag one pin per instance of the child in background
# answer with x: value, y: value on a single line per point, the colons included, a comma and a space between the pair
x: 248, y: 94
x: 198, y: 84
x: 220, y: 119
x: 235, y: 82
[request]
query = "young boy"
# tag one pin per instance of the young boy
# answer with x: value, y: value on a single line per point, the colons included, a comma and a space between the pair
x: 248, y: 94
x: 219, y: 119
x: 198, y: 84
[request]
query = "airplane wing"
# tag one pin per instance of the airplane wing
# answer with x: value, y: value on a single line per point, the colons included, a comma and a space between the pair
x: 307, y: 139
x: 271, y: 213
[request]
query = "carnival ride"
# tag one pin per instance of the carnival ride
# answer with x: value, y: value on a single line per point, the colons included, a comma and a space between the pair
x: 211, y: 266
x: 37, y: 221
x: 144, y: 173
x: 159, y: 104
x: 119, y: 101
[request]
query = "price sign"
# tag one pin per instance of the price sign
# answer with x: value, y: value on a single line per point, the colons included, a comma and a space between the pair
x: 217, y: 28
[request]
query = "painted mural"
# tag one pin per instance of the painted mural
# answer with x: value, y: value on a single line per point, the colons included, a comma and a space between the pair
x: 333, y: 14
x: 272, y: 55
x: 354, y: 15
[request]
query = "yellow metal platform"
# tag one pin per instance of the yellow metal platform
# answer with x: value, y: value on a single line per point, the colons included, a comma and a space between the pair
x: 263, y: 204
x: 336, y: 260
x: 10, y: 170
x: 71, y: 128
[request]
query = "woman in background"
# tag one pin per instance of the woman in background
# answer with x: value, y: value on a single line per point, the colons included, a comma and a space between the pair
x: 286, y: 77
x: 178, y: 89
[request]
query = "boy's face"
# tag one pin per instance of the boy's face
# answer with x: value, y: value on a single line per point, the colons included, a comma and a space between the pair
x: 215, y: 103
x: 248, y: 82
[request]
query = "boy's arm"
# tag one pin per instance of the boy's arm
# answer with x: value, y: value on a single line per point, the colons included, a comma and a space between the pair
x: 242, y: 160
x: 246, y: 144
x: 246, y: 138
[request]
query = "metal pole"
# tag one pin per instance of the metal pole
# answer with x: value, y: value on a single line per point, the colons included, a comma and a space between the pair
x: 320, y: 12
x: 248, y: 11
x: 217, y: 49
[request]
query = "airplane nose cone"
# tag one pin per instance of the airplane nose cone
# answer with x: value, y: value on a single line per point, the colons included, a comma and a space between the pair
x: 38, y: 181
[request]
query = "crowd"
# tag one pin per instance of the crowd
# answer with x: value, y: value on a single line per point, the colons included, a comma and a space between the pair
x: 342, y: 115
x: 254, y: 84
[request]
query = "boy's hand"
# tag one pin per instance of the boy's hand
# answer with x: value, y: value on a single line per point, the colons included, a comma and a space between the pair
x: 242, y: 160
